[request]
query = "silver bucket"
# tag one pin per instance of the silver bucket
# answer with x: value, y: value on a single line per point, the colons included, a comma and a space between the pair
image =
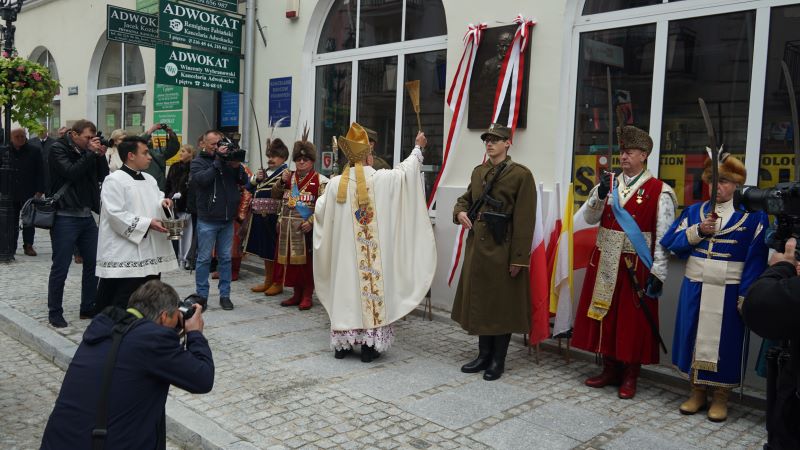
x: 174, y: 228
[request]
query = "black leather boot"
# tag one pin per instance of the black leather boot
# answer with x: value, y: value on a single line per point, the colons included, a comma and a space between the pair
x: 497, y: 364
x: 484, y: 356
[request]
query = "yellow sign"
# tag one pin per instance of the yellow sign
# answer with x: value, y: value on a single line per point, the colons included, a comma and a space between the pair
x: 161, y: 141
x: 774, y: 169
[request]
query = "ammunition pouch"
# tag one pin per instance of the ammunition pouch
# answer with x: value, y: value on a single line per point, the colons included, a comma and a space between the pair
x: 497, y: 224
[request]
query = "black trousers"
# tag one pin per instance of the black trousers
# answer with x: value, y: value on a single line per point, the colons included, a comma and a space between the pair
x: 117, y: 291
x: 27, y: 232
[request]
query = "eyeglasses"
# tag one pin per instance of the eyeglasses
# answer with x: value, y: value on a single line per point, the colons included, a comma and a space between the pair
x: 303, y: 158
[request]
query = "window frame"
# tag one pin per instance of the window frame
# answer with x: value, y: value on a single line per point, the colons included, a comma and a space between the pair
x: 661, y: 15
x: 358, y: 54
x: 122, y: 90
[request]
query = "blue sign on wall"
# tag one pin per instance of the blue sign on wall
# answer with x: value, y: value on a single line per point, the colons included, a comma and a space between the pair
x: 280, y: 101
x: 229, y: 109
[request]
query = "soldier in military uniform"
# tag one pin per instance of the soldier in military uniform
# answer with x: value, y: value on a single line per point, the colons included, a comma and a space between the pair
x: 634, y: 213
x: 299, y: 191
x: 725, y: 253
x: 493, y: 296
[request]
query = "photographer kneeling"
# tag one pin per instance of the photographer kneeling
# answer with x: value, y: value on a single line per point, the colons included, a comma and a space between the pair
x: 116, y: 399
x: 772, y: 310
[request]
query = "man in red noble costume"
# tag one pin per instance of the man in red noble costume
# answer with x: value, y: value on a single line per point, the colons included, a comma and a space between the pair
x: 299, y: 190
x: 634, y: 210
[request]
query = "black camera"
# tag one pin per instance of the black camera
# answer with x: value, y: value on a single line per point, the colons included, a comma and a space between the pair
x: 186, y: 306
x: 103, y: 141
x: 163, y: 126
x: 781, y: 201
x: 234, y: 153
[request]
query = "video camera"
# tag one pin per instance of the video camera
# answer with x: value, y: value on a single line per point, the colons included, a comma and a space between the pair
x: 781, y: 201
x: 234, y: 154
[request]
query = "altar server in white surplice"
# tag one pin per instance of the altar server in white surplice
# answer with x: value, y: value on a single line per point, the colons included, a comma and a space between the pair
x: 374, y: 252
x: 132, y: 245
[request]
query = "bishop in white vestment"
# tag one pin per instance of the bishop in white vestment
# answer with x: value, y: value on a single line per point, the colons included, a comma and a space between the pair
x: 374, y: 251
x: 132, y: 245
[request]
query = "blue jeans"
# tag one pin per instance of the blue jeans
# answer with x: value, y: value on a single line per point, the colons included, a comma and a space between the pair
x: 210, y: 232
x: 66, y: 234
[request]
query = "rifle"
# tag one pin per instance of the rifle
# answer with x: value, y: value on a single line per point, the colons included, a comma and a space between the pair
x: 496, y: 221
x: 641, y: 304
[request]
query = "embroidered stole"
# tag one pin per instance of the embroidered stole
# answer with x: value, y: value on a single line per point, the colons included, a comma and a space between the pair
x: 368, y: 255
x: 714, y: 274
x: 613, y: 243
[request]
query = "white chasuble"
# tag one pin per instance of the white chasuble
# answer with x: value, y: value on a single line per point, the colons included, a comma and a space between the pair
x: 374, y: 265
x: 126, y: 247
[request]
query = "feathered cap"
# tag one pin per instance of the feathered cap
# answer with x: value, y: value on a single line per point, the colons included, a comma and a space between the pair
x: 356, y: 148
x: 730, y: 168
x: 304, y: 148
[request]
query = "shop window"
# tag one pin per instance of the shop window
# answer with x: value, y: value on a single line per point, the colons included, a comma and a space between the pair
x: 628, y: 54
x: 776, y: 162
x: 424, y: 19
x: 381, y: 22
x: 709, y: 57
x: 332, y: 108
x: 381, y: 100
x: 121, y: 89
x: 51, y: 122
x: 377, y: 94
x: 429, y: 68
x: 339, y: 31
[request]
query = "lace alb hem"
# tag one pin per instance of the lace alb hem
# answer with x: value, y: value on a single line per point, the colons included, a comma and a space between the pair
x: 380, y: 338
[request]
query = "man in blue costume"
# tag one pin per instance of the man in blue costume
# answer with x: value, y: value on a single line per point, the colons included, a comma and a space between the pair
x: 725, y: 253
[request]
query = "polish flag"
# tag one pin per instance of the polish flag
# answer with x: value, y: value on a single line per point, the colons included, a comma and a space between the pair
x: 540, y: 284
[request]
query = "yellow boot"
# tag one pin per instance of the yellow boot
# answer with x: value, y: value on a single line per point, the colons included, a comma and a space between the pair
x: 697, y: 400
x: 718, y: 411
x: 267, y: 278
x: 275, y: 289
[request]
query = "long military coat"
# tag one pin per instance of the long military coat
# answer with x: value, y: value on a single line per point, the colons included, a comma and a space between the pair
x: 488, y: 300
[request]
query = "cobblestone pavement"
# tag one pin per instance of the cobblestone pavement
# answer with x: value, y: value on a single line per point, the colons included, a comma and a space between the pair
x: 29, y: 384
x: 278, y: 385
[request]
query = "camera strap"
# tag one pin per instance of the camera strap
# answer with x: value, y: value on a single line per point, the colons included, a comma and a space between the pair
x: 100, y: 431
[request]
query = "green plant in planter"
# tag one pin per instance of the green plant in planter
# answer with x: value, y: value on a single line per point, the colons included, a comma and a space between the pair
x: 30, y: 88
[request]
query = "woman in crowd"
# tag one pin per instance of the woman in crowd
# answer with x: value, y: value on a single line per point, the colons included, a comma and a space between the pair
x: 177, y: 189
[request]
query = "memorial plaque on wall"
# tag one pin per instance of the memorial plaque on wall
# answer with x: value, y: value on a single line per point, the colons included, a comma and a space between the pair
x: 485, y: 74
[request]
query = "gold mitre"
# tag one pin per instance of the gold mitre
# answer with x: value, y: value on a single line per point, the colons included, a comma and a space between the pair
x: 356, y: 148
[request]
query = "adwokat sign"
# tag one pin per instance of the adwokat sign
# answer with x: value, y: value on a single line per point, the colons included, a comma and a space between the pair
x: 197, y: 69
x: 184, y: 24
x: 131, y: 27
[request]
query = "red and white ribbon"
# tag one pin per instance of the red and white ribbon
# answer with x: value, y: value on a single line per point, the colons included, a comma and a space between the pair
x: 472, y: 40
x: 512, y: 73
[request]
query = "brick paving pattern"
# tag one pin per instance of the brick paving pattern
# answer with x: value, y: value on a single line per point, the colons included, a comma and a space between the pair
x: 278, y: 385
